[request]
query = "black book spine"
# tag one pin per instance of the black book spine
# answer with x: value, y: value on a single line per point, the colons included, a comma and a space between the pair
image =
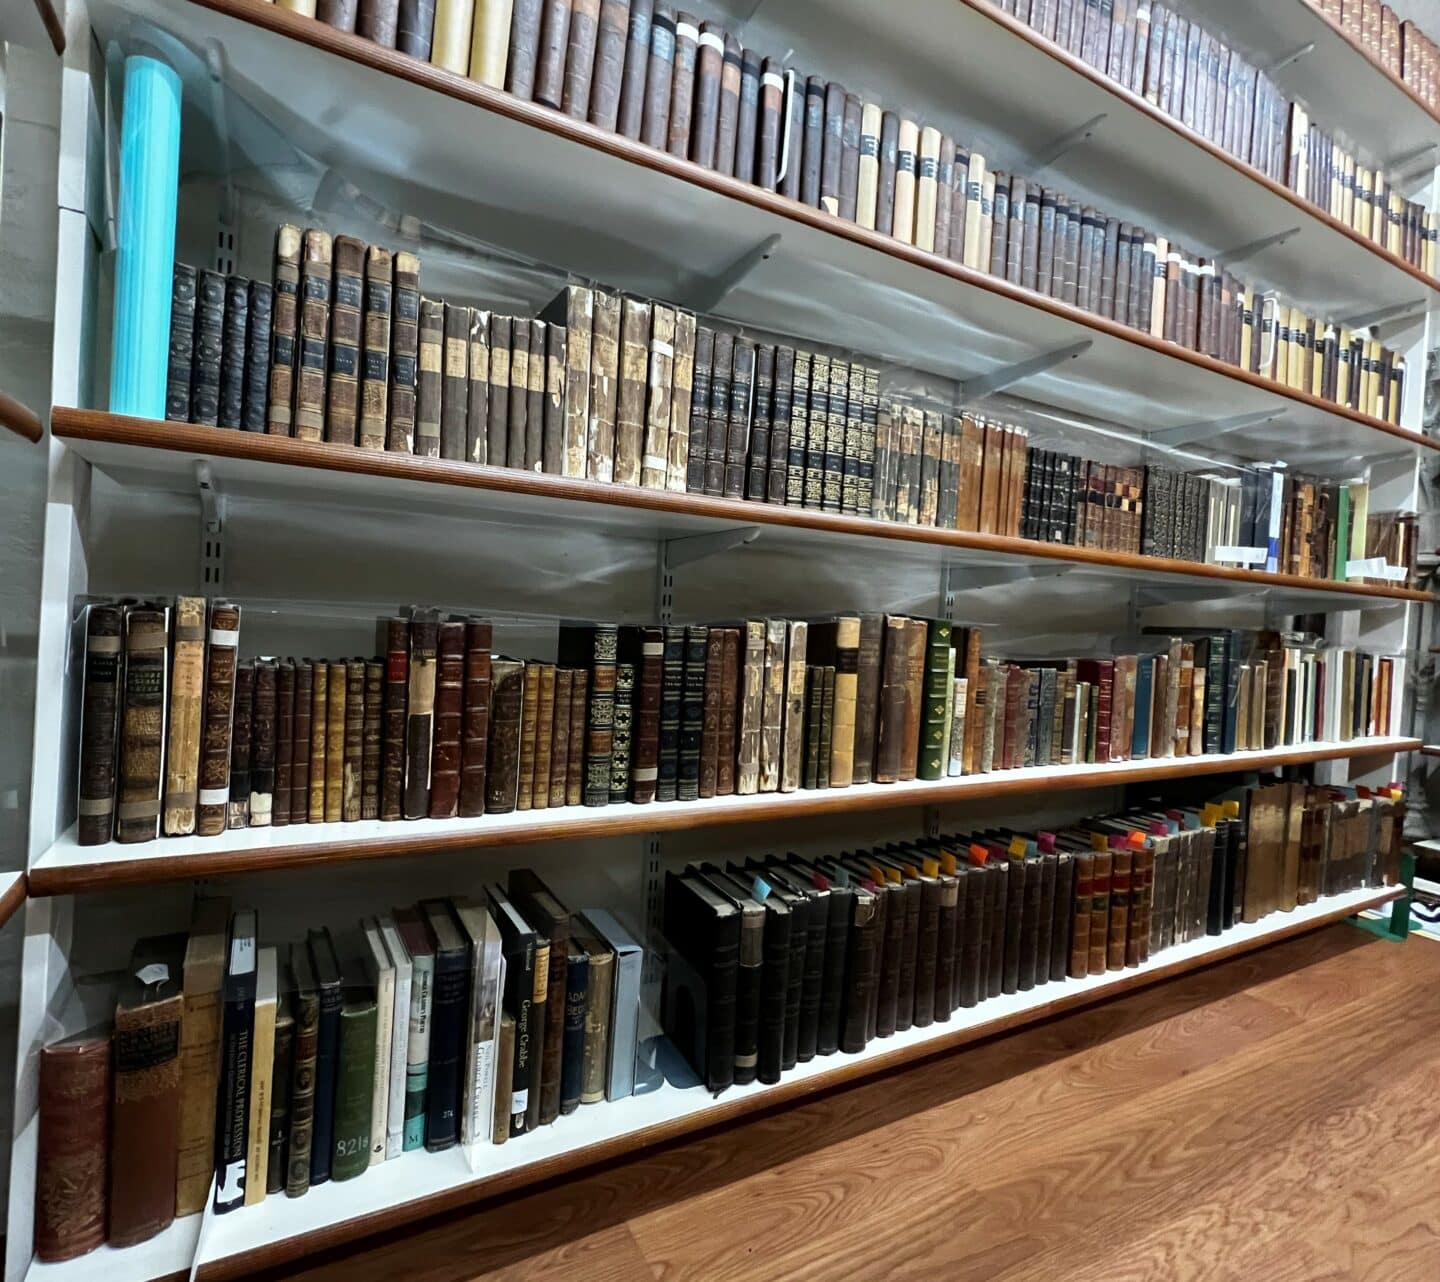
x: 817, y: 918
x: 757, y: 476
x: 774, y: 992
x: 257, y: 356
x: 692, y: 713
x: 672, y: 682
x: 748, y: 987
x: 996, y: 905
x: 622, y: 739
x: 327, y: 1064
x: 841, y: 904
x: 232, y: 1121
x: 182, y: 344
x: 232, y: 352
x: 795, y: 985
x: 862, y: 970
x: 449, y: 1018
x: 892, y: 945
x: 572, y: 1053
x: 925, y: 954
x: 209, y: 343
x: 1030, y: 921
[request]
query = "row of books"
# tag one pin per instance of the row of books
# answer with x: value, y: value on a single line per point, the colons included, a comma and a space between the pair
x: 218, y: 373
x: 1213, y: 89
x: 180, y: 737
x: 771, y: 961
x: 1400, y: 46
x: 276, y: 1068
x: 691, y: 89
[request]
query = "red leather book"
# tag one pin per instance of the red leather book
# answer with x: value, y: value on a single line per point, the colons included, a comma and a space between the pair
x: 1100, y: 673
x: 475, y: 727
x: 396, y: 642
x: 729, y: 711
x: 449, y: 709
x: 645, y: 648
x: 72, y: 1162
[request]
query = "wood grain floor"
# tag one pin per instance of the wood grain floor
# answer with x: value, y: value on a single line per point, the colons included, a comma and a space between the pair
x: 1276, y: 1118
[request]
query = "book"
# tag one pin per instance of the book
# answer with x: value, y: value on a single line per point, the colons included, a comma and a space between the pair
x: 262, y: 1055
x: 526, y: 983
x: 397, y: 1074
x: 104, y: 626
x: 449, y: 1019
x: 487, y: 982
x: 380, y: 975
x: 304, y: 1000
x: 355, y: 1066
x: 72, y: 1147
x: 419, y: 943
x: 143, y: 696
x: 282, y: 1067
x: 203, y: 975
x: 325, y: 964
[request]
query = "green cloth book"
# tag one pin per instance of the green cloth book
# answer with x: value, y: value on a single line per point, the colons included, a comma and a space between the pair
x: 355, y: 1074
x: 936, y: 694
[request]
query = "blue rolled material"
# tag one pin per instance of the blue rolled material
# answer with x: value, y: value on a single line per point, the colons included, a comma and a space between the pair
x: 145, y: 236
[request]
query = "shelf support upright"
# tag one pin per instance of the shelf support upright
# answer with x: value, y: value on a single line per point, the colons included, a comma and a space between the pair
x: 212, y: 532
x: 974, y: 389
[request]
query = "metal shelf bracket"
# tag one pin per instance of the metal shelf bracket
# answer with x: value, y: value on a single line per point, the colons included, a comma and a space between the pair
x: 1387, y: 315
x: 973, y: 389
x: 1241, y: 252
x: 705, y: 293
x: 955, y: 579
x: 696, y: 547
x: 1209, y: 430
x: 1044, y: 157
x: 212, y: 531
x: 1288, y: 59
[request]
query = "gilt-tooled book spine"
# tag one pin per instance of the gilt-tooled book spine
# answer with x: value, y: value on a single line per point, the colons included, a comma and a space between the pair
x: 104, y: 628
x: 771, y: 125
x: 579, y: 714
x: 728, y: 120
x: 375, y: 348
x: 420, y: 713
x: 772, y: 706
x: 814, y: 692
x: 631, y: 108
x: 799, y: 430
x: 818, y: 429
x: 648, y: 702
x: 710, y: 721
x: 142, y: 723
x: 300, y: 742
x: 847, y: 671
x: 314, y: 336
x: 330, y: 730
x: 284, y: 321
x: 342, y: 393
x: 782, y: 395
x: 353, y: 765
x: 550, y: 56
x: 704, y: 124
x: 599, y: 744
x: 827, y: 725
x: 737, y: 431
x: 260, y: 301
x: 853, y: 442
x: 319, y: 713
x: 692, y: 713
x: 518, y: 404
x: 187, y: 676
x: 234, y: 344
x: 238, y: 810
x: 560, y: 738
x: 579, y: 76
x: 502, y: 771
x: 371, y: 737
x: 284, y: 743
x: 404, y: 354
x: 756, y: 482
x: 476, y: 718
x: 72, y: 1152
x: 725, y: 755
x: 529, y: 730
x: 209, y: 345
x: 182, y: 344
x: 686, y: 87
x: 263, y: 745
x: 752, y: 704
x: 449, y: 711
x: 524, y: 48
x: 718, y: 421
x: 396, y: 631
x: 671, y: 712
x: 699, y: 419
x: 622, y: 739
x: 832, y: 481
x: 659, y: 79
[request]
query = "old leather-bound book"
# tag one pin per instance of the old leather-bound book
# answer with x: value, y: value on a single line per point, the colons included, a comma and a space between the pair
x: 340, y: 14
x: 180, y: 367
x: 811, y: 155
x: 623, y: 738
x: 318, y: 733
x: 659, y: 79
x: 259, y: 306
x: 772, y: 706
x: 544, y: 738
x: 573, y: 309
x: 710, y: 721
x: 688, y: 91
x: 145, y: 1117
x: 552, y: 920
x: 429, y: 378
x: 395, y: 632
x: 284, y: 742
x: 454, y: 381
x: 342, y: 388
x: 451, y: 36
x: 520, y: 74
x: 420, y: 712
x: 842, y: 742
x: 449, y: 708
x: 782, y: 398
x: 658, y: 398
x: 817, y: 436
x: 99, y: 723
x: 477, y: 416
x: 378, y: 20
x: 771, y: 124
x: 304, y: 1001
x: 371, y: 735
x: 232, y: 356
x: 645, y: 647
x: 756, y: 477
x: 142, y: 723
x: 689, y: 726
x: 283, y: 323
x: 337, y: 698
x: 579, y: 714
x: 282, y: 1066
x: 560, y: 737
x: 300, y: 746
x: 728, y: 117
x: 792, y: 744
x: 550, y: 56
x: 814, y: 695
x: 502, y: 772
x: 747, y: 122
x: 630, y: 399
x: 551, y: 418
x: 717, y: 421
x: 209, y: 349
x: 698, y: 430
x: 867, y: 696
x: 604, y: 380
x: 476, y: 720
x: 529, y: 732
x: 752, y: 703
x: 603, y: 106
x: 631, y: 109
x: 403, y: 368
x: 682, y: 392
x: 892, y: 700
x: 737, y: 430
x: 499, y: 333
x: 580, y: 58
x: 263, y: 745
x: 72, y: 1152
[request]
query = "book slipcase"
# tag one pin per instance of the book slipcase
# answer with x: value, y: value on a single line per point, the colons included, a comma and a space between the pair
x: 302, y: 562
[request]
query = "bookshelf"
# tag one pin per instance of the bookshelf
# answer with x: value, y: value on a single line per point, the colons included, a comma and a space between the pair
x: 652, y: 220
x: 12, y: 895
x: 285, y: 102
x: 417, y: 1185
x: 20, y: 419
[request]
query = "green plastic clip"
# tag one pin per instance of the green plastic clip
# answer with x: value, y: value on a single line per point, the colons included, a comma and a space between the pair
x: 1397, y: 928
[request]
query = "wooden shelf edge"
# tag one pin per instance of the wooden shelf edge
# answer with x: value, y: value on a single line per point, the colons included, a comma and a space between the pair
x: 783, y: 1094
x: 20, y: 419
x: 95, y: 425
x: 1138, y: 103
x: 54, y: 28
x: 577, y: 822
x: 316, y: 34
x: 12, y: 896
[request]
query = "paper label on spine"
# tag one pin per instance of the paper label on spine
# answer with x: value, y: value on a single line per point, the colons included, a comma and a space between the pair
x: 1241, y: 555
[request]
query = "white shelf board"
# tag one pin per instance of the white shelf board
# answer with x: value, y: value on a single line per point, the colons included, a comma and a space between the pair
x: 417, y: 1176
x: 68, y: 860
x: 590, y: 211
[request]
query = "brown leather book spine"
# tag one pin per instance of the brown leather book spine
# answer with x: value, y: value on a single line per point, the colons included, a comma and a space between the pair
x: 336, y: 698
x: 604, y: 380
x: 631, y: 113
x: 375, y: 348
x: 187, y: 679
x: 831, y: 147
x: 728, y: 125
x: 544, y: 739
x: 737, y: 429
x: 420, y: 712
x: 792, y: 746
x: 396, y: 633
x: 1100, y: 913
x: 659, y: 79
x: 560, y: 737
x: 72, y: 1152
x: 1081, y: 926
x: 867, y: 696
x: 300, y: 747
x: 710, y: 722
x: 342, y: 399
x: 518, y: 404
x: 449, y: 709
x: 314, y: 336
x: 319, y: 730
x: 645, y: 732
x: 404, y: 354
x: 847, y: 671
x: 498, y: 430
x: 686, y: 85
x: 477, y: 413
x: 203, y: 978
x: 579, y: 721
x: 658, y: 400
x: 889, y: 752
x: 142, y: 724
x: 263, y: 746
x: 284, y: 742
x: 476, y: 728
x: 730, y: 679
x: 610, y: 60
x: 550, y: 53
x: 630, y: 400
x: 704, y: 124
x: 100, y: 723
x: 747, y: 122
x: 682, y: 395
x: 378, y: 20
x: 529, y: 721
x: 772, y: 708
x: 352, y: 750
x: 535, y: 398
x: 1121, y: 871
x: 429, y: 379
x: 145, y: 1120
x: 371, y: 737
x: 503, y: 764
x: 752, y: 702
x: 771, y: 125
x: 524, y: 48
x: 552, y: 449
x: 580, y: 58
x: 284, y: 320
x: 454, y: 381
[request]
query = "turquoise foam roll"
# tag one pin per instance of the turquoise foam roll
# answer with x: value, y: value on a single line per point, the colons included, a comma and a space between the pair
x: 145, y: 238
